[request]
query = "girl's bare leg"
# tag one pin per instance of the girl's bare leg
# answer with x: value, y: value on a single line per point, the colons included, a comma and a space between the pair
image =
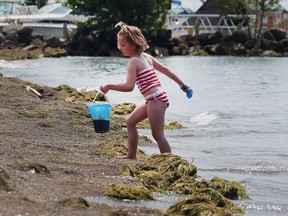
x: 139, y: 114
x: 156, y: 115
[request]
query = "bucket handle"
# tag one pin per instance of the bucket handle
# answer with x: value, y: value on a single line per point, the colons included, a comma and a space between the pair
x: 98, y: 91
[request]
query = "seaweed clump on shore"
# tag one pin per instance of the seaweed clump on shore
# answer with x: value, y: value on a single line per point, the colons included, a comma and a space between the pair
x: 160, y: 171
x: 122, y: 191
x: 204, y: 202
x: 167, y: 172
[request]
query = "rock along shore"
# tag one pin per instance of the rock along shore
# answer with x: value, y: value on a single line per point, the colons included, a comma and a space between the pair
x: 52, y: 161
x: 18, y: 42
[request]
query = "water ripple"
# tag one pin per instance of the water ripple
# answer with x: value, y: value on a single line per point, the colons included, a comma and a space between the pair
x: 252, y: 208
x: 261, y: 167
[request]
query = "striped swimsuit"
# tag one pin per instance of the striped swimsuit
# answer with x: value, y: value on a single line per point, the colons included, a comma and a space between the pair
x: 146, y: 80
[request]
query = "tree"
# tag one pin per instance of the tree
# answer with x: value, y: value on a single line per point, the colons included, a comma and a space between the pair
x: 249, y: 7
x: 149, y: 16
x: 246, y: 8
x: 260, y: 7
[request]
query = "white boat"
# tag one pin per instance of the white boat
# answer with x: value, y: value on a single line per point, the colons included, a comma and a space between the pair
x: 51, y: 19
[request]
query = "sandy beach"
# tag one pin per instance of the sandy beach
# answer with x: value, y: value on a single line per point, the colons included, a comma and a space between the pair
x: 48, y: 154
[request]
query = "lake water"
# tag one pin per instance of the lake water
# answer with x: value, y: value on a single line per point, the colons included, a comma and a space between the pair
x: 236, y: 124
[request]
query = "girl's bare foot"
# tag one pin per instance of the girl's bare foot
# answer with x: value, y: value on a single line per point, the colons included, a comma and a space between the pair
x: 126, y: 157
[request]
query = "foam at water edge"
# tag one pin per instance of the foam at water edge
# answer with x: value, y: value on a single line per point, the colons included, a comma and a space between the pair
x: 204, y: 118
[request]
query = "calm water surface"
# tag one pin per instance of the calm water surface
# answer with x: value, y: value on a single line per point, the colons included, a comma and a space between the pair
x: 236, y: 124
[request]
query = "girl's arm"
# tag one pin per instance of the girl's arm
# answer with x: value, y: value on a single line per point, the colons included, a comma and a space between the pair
x: 165, y: 70
x: 123, y: 87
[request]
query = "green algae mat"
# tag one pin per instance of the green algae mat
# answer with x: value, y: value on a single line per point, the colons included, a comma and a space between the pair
x: 170, y: 173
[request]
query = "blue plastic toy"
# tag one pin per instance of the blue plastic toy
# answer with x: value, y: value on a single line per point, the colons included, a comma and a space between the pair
x: 189, y: 93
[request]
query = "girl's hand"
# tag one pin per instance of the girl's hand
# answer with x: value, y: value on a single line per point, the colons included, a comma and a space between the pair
x: 188, y: 90
x: 184, y: 88
x: 104, y: 88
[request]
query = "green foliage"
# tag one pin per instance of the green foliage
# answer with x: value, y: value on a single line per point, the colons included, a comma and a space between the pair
x: 260, y: 7
x: 149, y: 16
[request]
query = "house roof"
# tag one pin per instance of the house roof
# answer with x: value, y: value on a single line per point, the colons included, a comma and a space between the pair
x: 215, y: 7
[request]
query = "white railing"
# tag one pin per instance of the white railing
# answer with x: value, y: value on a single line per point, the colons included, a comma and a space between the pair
x: 201, y: 23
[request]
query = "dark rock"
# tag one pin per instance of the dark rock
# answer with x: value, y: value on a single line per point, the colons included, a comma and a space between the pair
x: 275, y: 34
x: 38, y: 42
x: 271, y: 45
x: 25, y: 35
x: 224, y: 50
x: 210, y: 49
x: 202, y: 38
x: 9, y: 44
x: 176, y: 41
x: 194, y: 43
x: 235, y: 38
x: 52, y: 41
x: 178, y: 50
x: 216, y: 38
x: 188, y: 39
x: 86, y: 45
x: 159, y: 51
x: 250, y: 44
x: 11, y: 29
x: 239, y: 49
x: 37, y: 36
x: 13, y: 38
x: 284, y: 42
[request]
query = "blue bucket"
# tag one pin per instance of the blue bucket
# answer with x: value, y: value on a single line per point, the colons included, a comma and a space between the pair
x: 100, y: 114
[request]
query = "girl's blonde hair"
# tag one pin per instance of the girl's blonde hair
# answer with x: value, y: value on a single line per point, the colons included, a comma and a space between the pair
x: 134, y: 36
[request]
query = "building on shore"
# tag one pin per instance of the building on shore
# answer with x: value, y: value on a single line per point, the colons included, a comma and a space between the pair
x: 213, y: 16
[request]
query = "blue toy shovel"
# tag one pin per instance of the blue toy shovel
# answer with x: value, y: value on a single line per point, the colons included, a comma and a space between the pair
x: 189, y: 93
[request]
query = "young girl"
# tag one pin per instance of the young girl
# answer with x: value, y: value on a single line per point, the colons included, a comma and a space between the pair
x: 140, y: 71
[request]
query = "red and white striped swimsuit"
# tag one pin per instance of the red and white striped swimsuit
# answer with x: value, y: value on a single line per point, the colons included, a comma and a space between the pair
x: 146, y: 80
